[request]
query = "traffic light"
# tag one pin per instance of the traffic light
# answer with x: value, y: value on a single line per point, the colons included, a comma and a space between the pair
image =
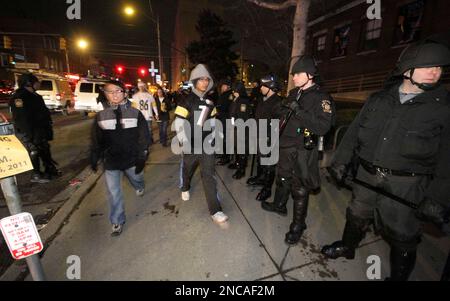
x: 120, y: 69
x: 143, y: 71
x: 7, y: 42
x: 62, y: 44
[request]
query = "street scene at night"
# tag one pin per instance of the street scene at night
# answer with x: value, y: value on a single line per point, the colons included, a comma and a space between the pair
x: 225, y: 141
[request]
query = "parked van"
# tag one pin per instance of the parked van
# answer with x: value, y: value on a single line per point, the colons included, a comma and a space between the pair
x: 86, y: 93
x: 57, y: 94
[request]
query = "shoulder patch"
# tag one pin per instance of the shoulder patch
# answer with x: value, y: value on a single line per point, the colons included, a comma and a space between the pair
x: 18, y: 103
x: 326, y: 106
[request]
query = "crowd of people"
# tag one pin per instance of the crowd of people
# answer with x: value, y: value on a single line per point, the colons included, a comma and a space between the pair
x: 399, y: 144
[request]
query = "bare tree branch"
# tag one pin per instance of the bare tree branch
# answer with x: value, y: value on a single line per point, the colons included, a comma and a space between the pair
x: 274, y: 6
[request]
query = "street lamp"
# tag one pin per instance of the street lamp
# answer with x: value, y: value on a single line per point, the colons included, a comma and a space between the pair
x: 129, y: 11
x: 82, y: 44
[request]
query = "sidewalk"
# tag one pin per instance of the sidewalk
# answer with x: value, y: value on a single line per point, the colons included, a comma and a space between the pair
x: 167, y: 239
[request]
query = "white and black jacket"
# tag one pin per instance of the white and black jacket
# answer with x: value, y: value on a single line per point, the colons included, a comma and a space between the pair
x: 120, y: 136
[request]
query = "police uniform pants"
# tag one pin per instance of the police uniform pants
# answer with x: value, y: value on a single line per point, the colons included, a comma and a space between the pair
x: 189, y: 164
x: 397, y: 223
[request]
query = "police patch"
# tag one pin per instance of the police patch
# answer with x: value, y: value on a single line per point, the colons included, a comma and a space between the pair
x: 243, y: 108
x: 18, y: 103
x: 326, y: 106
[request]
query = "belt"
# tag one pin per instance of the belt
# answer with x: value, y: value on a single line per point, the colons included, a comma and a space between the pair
x: 374, y: 170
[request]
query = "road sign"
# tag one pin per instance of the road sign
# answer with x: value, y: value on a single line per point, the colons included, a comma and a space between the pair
x: 21, y: 235
x: 27, y: 66
x: 14, y: 158
x: 152, y: 70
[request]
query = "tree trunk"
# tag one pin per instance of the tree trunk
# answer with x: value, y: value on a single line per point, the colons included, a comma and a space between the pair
x: 299, y: 39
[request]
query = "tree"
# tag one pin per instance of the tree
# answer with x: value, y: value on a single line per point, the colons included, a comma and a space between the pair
x: 214, y: 46
x: 300, y: 25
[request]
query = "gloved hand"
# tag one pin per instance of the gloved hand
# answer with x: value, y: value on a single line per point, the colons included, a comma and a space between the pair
x: 339, y: 173
x: 431, y: 211
x: 140, y: 165
x: 290, y: 104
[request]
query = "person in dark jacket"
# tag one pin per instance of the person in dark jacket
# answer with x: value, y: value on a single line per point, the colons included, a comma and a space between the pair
x: 34, y: 127
x: 224, y: 102
x: 240, y: 112
x: 310, y: 113
x: 164, y: 106
x: 266, y: 111
x: 401, y: 139
x: 120, y: 137
x: 193, y: 112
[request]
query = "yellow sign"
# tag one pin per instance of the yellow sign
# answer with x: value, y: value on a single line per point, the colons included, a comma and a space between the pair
x: 14, y: 158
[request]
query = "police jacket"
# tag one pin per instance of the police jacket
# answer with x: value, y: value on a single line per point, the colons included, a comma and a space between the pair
x: 120, y: 136
x: 31, y: 117
x: 240, y: 108
x: 224, y: 102
x: 316, y: 113
x: 412, y: 137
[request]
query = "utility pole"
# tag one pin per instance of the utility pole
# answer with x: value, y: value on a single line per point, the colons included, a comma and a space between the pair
x: 161, y: 64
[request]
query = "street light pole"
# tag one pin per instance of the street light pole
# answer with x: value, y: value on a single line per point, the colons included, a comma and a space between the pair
x: 161, y: 67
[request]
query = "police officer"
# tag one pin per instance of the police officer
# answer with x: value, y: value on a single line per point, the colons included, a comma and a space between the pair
x: 192, y: 113
x: 33, y: 125
x: 401, y: 138
x: 240, y: 112
x: 265, y: 110
x: 310, y: 113
x: 223, y: 113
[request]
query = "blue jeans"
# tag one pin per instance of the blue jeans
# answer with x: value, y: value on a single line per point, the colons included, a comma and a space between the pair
x: 114, y: 191
x: 163, y: 131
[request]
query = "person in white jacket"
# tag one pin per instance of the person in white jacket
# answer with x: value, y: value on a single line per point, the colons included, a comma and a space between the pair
x: 144, y: 102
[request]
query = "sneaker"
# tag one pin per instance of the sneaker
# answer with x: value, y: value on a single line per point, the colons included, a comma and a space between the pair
x: 185, y: 196
x: 37, y: 178
x: 116, y: 230
x: 219, y: 217
x: 140, y: 192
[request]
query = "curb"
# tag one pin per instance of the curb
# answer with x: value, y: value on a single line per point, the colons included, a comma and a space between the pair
x: 77, y: 194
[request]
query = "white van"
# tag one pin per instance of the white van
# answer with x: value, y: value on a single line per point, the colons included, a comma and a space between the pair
x: 86, y: 93
x: 57, y: 94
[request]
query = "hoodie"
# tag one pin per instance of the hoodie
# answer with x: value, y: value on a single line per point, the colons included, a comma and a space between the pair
x: 201, y: 71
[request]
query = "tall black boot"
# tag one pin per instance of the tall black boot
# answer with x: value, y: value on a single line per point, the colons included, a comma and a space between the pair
x: 266, y: 192
x: 446, y: 272
x: 298, y: 225
x: 402, y: 263
x: 354, y: 232
x: 281, y: 198
x: 259, y: 178
x: 241, y: 166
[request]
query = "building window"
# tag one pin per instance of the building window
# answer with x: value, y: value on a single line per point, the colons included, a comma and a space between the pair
x: 4, y: 61
x: 341, y: 40
x: 409, y: 22
x: 319, y: 45
x: 371, y: 35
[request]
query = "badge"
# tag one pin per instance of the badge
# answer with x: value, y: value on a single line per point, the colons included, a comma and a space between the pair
x: 243, y: 108
x: 19, y: 103
x: 231, y: 97
x: 326, y: 106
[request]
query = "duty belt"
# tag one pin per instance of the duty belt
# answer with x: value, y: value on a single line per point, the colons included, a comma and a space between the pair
x: 376, y: 170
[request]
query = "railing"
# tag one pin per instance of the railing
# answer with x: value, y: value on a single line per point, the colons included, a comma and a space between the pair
x: 365, y: 82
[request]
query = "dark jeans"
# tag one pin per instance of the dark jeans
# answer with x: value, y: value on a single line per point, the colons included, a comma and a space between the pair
x: 207, y: 164
x: 163, y: 131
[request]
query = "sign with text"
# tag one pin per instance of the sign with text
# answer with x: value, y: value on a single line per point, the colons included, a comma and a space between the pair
x: 21, y: 235
x: 14, y: 158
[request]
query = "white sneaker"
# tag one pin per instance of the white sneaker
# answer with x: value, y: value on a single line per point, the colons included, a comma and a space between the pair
x: 140, y: 192
x: 185, y: 196
x: 219, y: 217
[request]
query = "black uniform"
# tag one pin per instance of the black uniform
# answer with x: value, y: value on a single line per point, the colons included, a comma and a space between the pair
x: 240, y: 112
x: 298, y: 167
x: 187, y: 107
x: 224, y: 102
x: 266, y: 110
x: 33, y: 125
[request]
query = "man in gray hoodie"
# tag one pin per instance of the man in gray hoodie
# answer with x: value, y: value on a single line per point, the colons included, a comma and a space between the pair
x: 192, y: 113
